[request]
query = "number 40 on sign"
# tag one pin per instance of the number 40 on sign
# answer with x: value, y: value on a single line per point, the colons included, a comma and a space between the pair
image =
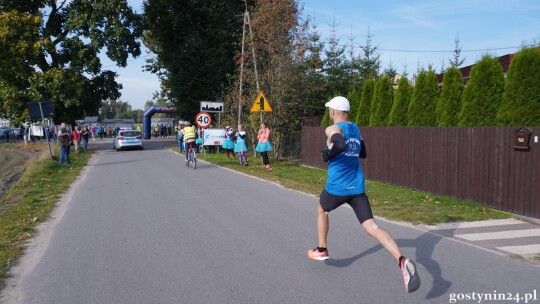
x: 203, y: 120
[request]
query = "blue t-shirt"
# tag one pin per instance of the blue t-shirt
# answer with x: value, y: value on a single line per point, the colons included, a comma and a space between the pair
x: 345, y: 175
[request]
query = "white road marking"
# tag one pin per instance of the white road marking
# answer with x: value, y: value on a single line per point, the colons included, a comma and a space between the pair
x: 476, y: 224
x: 499, y: 235
x: 522, y: 250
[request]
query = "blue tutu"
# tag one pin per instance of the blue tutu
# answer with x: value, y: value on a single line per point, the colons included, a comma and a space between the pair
x: 240, y: 147
x: 263, y: 147
x: 228, y: 144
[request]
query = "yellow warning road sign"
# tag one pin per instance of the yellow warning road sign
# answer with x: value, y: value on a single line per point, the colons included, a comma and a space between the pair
x: 261, y: 104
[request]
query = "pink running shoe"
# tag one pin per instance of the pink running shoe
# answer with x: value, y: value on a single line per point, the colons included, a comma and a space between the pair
x: 315, y: 254
x: 410, y: 275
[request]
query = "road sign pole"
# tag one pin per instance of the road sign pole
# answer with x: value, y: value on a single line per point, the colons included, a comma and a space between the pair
x: 46, y: 133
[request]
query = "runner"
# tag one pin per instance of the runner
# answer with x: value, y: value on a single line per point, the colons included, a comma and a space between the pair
x: 346, y: 184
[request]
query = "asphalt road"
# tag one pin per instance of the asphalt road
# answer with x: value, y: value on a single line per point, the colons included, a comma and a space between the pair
x: 141, y: 227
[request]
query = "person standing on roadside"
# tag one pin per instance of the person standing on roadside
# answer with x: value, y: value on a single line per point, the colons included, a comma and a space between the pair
x: 85, y: 134
x: 63, y: 140
x: 76, y: 138
x: 228, y: 143
x: 263, y: 145
x: 346, y: 184
x: 240, y: 146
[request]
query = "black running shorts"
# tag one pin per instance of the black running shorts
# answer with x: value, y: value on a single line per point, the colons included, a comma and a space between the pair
x: 358, y: 202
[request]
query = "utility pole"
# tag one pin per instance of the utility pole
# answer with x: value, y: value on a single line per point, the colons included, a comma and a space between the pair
x: 247, y: 21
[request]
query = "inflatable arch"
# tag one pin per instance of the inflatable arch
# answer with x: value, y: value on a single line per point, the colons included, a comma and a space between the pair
x: 147, y: 118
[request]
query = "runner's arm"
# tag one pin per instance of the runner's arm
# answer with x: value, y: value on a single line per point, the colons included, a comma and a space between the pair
x: 335, y: 143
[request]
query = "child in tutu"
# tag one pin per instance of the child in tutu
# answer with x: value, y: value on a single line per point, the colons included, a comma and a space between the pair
x: 264, y: 145
x: 240, y: 146
x: 228, y: 144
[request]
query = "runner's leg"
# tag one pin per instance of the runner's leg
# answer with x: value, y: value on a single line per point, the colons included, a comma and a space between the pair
x: 362, y: 209
x: 323, y: 225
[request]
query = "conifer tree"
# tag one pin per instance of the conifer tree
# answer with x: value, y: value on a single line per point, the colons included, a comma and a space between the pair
x: 521, y: 98
x: 325, y: 122
x: 354, y: 102
x: 364, y: 113
x: 483, y: 94
x: 402, y: 98
x: 311, y: 80
x: 370, y: 59
x: 456, y: 60
x: 449, y: 104
x: 335, y: 64
x: 424, y: 100
x: 383, y: 98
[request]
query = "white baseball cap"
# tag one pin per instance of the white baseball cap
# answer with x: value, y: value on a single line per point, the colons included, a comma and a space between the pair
x: 339, y: 103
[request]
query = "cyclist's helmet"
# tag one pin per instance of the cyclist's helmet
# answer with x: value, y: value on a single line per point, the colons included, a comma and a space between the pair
x: 187, y: 123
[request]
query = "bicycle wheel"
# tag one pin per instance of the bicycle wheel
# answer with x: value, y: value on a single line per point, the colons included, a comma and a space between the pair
x: 194, y: 158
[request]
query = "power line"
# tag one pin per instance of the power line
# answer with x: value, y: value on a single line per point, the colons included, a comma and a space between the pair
x: 439, y: 51
x: 442, y: 51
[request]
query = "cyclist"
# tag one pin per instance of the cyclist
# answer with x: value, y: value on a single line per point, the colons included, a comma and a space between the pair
x: 189, y: 135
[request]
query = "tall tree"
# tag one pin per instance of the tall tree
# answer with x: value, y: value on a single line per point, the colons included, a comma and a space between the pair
x: 277, y: 27
x: 521, y: 99
x: 364, y: 109
x: 354, y: 101
x: 20, y: 44
x: 195, y: 43
x: 67, y: 68
x: 482, y: 95
x: 370, y: 59
x: 383, y: 98
x: 424, y: 100
x: 336, y: 65
x: 354, y: 63
x: 449, y: 103
x: 310, y: 82
x: 402, y: 98
x: 456, y: 60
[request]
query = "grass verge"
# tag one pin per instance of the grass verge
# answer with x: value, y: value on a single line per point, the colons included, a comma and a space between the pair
x: 389, y: 201
x: 32, y: 198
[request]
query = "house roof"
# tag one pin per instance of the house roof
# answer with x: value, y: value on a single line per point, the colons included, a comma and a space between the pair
x: 504, y: 61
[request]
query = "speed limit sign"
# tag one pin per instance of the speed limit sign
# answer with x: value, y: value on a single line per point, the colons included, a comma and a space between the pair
x: 203, y: 120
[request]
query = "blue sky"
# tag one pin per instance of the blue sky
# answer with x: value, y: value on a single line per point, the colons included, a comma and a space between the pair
x: 410, y: 34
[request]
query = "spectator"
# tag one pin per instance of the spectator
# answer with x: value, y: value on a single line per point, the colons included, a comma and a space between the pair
x: 76, y: 138
x: 240, y: 146
x: 264, y: 145
x: 228, y: 143
x: 63, y: 140
x: 85, y: 134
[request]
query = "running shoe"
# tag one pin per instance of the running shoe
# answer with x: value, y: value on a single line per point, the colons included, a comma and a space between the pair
x: 315, y: 254
x: 410, y: 276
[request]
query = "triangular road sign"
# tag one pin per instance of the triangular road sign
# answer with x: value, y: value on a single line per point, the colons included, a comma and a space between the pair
x: 261, y: 104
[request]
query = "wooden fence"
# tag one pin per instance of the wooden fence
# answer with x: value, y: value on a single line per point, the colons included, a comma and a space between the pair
x: 476, y: 163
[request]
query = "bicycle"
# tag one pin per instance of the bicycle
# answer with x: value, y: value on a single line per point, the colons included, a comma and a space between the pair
x: 191, y: 158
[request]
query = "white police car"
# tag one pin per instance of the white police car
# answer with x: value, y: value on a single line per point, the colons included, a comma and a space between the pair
x: 128, y: 139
